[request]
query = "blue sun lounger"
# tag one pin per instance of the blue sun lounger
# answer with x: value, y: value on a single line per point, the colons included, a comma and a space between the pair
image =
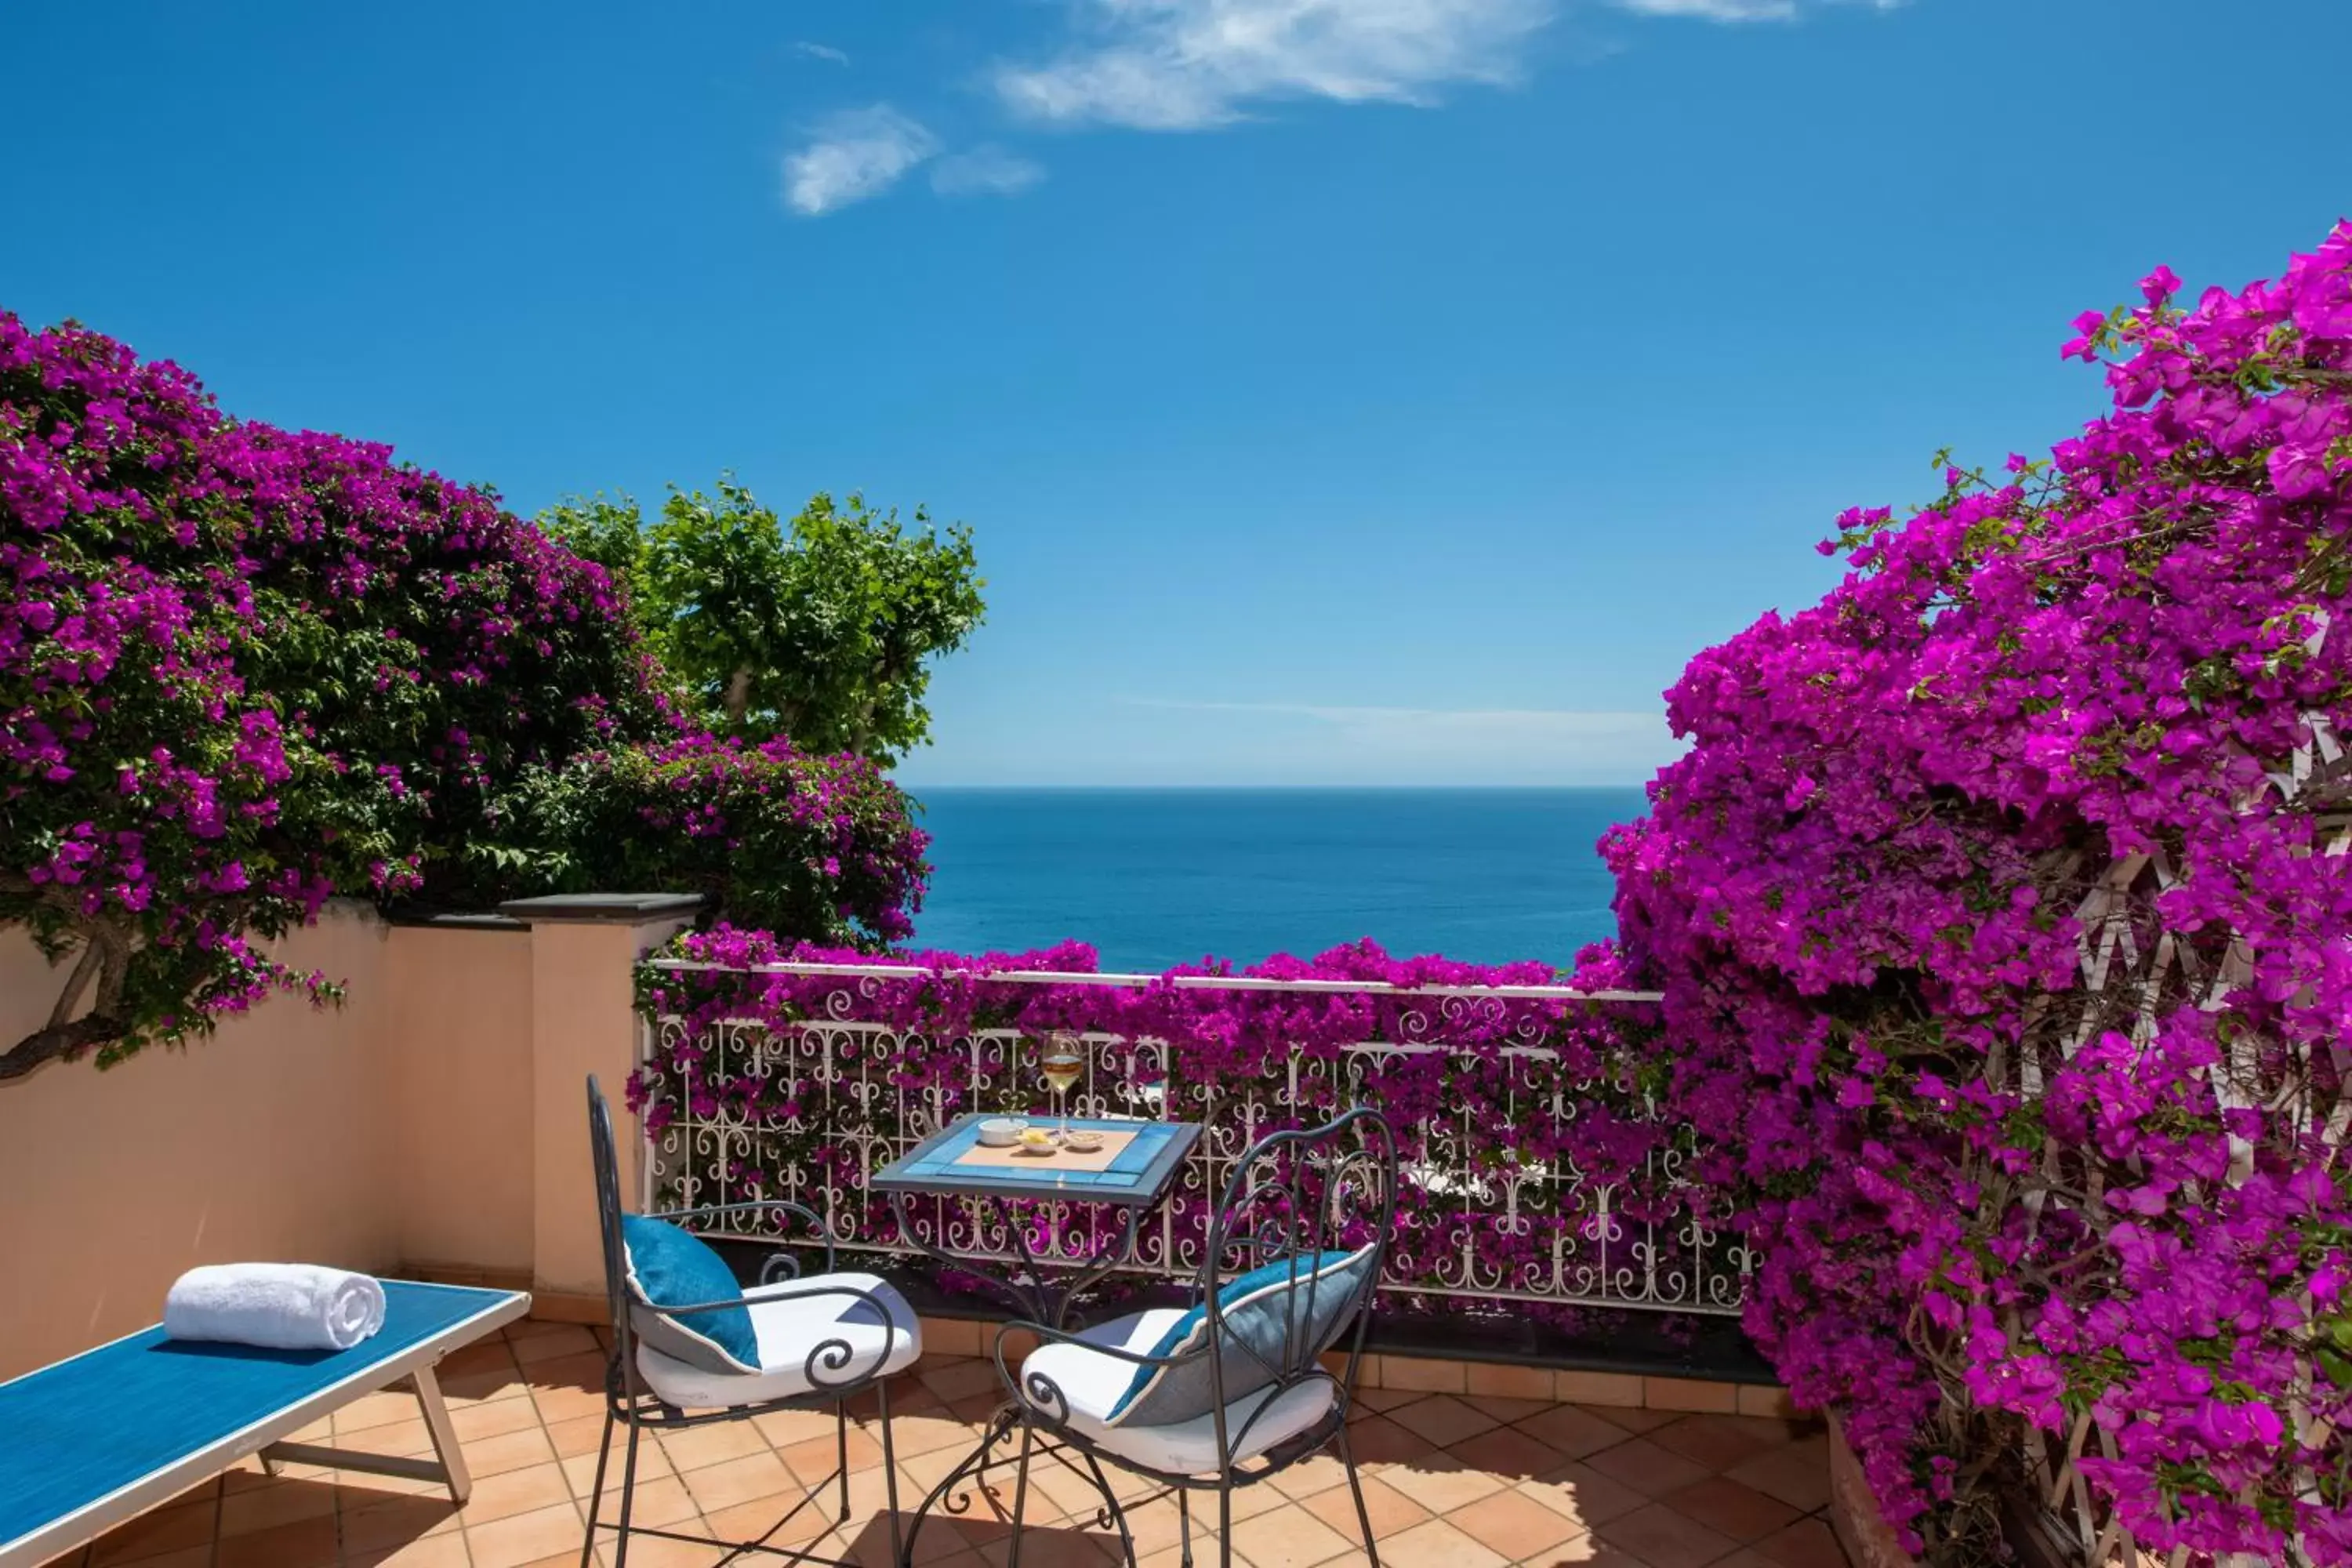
x: 103, y: 1436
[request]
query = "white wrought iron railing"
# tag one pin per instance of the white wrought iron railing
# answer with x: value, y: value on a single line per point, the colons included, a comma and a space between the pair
x: 807, y: 1107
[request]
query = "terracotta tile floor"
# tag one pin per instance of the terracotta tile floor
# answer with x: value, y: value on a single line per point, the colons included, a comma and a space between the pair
x: 1449, y: 1483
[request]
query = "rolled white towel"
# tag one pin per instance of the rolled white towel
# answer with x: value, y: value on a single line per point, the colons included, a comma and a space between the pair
x: 278, y: 1306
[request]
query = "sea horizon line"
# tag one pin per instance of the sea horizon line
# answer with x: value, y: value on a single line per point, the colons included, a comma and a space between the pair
x: 1066, y: 788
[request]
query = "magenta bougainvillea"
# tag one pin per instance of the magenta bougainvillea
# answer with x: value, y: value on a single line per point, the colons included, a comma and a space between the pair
x: 2005, y: 932
x: 1475, y: 1086
x: 2001, y: 912
x: 1999, y: 904
x: 243, y: 669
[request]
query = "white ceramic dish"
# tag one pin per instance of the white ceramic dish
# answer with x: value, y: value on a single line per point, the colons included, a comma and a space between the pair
x: 1003, y: 1131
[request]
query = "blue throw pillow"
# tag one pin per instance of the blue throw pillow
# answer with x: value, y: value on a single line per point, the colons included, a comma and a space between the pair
x: 669, y: 1266
x: 1261, y: 1311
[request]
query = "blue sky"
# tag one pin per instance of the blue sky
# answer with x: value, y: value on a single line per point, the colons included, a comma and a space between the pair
x: 1342, y: 391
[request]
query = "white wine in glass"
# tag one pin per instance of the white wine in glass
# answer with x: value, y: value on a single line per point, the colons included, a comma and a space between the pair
x: 1061, y: 1062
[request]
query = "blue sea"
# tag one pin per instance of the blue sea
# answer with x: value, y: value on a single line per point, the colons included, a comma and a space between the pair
x: 1160, y: 877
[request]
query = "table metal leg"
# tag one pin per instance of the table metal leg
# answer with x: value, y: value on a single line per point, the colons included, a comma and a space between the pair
x: 1046, y: 1302
x: 972, y: 1470
x: 1043, y: 1300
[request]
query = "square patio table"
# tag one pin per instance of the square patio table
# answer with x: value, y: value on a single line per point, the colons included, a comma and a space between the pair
x: 1131, y: 1173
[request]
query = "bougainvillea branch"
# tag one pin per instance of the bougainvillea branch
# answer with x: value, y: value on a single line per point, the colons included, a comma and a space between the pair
x: 105, y: 959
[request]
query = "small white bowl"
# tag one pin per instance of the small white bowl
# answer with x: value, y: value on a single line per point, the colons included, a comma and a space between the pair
x: 1003, y: 1131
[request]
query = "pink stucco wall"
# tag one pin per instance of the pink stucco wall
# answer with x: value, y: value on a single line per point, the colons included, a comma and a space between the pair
x: 265, y: 1141
x: 433, y: 1124
x: 456, y: 1055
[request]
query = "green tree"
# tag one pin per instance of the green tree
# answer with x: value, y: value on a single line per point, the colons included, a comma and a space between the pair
x: 823, y: 628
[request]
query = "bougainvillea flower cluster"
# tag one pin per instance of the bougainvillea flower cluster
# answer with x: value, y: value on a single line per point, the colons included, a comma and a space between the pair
x: 2002, y: 915
x: 243, y: 669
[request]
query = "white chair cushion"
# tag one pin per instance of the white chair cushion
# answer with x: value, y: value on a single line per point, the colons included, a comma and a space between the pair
x: 1093, y: 1384
x: 791, y: 1319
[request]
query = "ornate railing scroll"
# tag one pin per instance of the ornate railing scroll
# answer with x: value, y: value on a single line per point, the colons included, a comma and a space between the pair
x: 1536, y: 1169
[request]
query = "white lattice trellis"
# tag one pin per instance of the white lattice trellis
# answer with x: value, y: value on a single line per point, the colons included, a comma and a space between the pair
x: 2122, y: 971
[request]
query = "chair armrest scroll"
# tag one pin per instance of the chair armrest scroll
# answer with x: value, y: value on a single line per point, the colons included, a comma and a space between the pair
x: 1041, y: 1393
x: 827, y: 1355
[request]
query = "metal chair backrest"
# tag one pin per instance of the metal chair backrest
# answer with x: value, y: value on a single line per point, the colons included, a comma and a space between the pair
x: 1294, y: 1197
x: 602, y: 1150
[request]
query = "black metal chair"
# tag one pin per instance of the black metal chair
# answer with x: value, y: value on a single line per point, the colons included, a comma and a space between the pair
x: 824, y: 1339
x: 1291, y: 1262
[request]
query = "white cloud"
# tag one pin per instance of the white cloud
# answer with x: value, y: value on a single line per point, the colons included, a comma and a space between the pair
x: 1714, y: 10
x: 1741, y: 10
x: 1181, y: 65
x: 1340, y: 713
x: 1524, y: 723
x: 858, y: 153
x: 986, y: 169
x: 1307, y: 741
x: 1185, y: 64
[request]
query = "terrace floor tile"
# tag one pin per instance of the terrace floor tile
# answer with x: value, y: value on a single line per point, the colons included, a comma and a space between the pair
x: 1450, y: 1481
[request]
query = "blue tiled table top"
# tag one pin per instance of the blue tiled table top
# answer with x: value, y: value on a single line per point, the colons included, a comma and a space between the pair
x: 1137, y: 1174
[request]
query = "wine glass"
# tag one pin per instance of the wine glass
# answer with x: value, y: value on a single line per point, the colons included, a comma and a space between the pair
x: 1061, y: 1062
